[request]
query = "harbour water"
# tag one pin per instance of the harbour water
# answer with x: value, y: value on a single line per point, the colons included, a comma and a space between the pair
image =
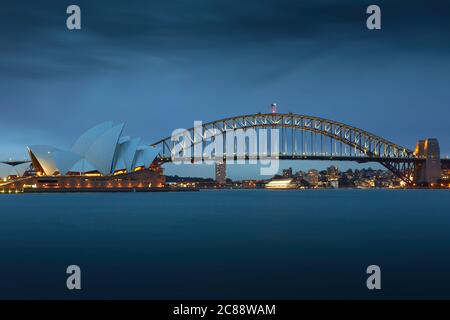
x: 227, y: 244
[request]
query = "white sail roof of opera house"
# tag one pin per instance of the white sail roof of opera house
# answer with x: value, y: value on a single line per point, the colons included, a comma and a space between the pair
x: 100, y: 149
x: 18, y: 170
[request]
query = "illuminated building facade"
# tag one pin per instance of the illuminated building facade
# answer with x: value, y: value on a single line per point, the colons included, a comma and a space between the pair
x: 101, y: 158
x: 282, y: 184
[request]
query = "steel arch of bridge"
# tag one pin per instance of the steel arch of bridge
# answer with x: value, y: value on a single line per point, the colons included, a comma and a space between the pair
x: 307, y: 137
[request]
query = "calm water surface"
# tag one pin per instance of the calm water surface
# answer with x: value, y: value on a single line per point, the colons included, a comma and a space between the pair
x: 227, y: 244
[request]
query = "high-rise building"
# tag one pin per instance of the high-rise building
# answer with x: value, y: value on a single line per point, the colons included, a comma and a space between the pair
x: 221, y: 172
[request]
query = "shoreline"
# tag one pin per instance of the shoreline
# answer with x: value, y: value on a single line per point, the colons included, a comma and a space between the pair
x: 101, y: 190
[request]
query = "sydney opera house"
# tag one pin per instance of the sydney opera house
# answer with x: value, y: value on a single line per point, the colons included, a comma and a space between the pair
x: 101, y: 159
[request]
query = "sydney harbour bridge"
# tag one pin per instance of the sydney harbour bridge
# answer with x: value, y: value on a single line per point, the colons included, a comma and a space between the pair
x: 305, y: 137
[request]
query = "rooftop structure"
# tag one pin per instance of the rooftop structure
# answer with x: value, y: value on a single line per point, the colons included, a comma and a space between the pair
x: 101, y: 150
x: 100, y: 160
x: 8, y: 171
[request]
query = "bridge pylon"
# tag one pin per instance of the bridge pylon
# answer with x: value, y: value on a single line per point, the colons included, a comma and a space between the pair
x: 427, y: 171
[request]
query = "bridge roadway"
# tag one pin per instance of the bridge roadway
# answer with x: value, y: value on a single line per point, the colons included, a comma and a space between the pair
x: 305, y: 157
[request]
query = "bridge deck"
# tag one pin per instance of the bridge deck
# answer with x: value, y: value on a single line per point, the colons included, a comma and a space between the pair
x: 164, y: 159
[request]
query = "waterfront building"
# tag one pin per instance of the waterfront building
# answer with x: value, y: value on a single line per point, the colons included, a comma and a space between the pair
x: 281, y: 184
x: 100, y: 158
x: 101, y: 150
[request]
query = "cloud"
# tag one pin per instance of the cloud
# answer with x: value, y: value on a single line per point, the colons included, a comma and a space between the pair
x: 36, y: 43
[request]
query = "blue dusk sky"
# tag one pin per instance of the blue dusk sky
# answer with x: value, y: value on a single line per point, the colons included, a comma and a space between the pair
x: 160, y: 65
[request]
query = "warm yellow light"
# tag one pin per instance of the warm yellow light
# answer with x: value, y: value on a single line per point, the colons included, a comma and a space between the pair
x: 280, y: 184
x: 94, y: 174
